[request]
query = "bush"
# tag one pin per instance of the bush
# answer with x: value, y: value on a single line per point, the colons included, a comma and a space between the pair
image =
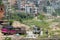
x: 7, y: 38
x: 1, y: 2
x: 11, y: 21
x: 44, y: 9
x: 41, y: 17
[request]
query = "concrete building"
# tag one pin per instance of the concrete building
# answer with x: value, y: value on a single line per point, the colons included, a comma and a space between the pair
x: 55, y: 4
x: 50, y: 10
x: 21, y: 3
x: 11, y: 2
x: 27, y: 6
x: 42, y: 3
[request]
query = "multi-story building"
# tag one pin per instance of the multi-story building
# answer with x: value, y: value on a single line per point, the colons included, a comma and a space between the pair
x: 31, y: 8
x: 8, y: 9
x: 42, y: 3
x: 11, y: 2
x: 27, y: 6
x: 55, y: 4
x: 50, y: 10
x: 21, y: 3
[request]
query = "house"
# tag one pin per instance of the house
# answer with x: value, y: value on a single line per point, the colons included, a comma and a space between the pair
x: 11, y: 2
x: 42, y: 3
x: 27, y: 7
x: 50, y: 10
x: 31, y: 8
x: 55, y: 4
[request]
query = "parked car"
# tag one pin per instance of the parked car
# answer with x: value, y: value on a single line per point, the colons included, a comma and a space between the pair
x: 10, y: 30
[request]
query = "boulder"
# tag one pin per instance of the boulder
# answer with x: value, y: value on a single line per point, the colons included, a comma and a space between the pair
x: 17, y: 24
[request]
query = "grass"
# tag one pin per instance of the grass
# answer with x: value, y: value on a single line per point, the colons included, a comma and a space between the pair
x: 8, y: 38
x: 42, y: 24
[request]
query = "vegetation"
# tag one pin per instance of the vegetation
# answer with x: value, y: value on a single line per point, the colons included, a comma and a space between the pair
x: 41, y: 17
x: 48, y: 3
x: 54, y: 14
x: 19, y: 16
x: 57, y: 11
x: 7, y: 38
x: 40, y: 23
x: 44, y: 9
x: 1, y: 2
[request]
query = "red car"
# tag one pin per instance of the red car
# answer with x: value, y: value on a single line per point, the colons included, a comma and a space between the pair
x: 10, y: 30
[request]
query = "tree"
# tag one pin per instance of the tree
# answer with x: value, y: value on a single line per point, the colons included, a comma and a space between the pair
x: 1, y: 2
x: 22, y: 15
x: 7, y: 38
x: 44, y: 9
x: 41, y: 17
x: 57, y: 11
x: 54, y: 14
x: 48, y: 3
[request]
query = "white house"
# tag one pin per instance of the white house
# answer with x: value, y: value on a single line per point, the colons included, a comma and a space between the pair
x: 30, y: 9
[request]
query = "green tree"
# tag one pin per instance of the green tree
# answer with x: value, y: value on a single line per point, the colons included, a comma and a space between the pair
x: 7, y: 38
x: 22, y: 14
x: 41, y: 17
x: 44, y: 9
x: 48, y: 3
x: 57, y: 11
x: 54, y: 14
x: 1, y: 2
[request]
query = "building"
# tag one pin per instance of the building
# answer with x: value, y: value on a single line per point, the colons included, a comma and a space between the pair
x: 50, y: 10
x: 42, y: 3
x: 21, y: 3
x: 55, y: 4
x: 27, y: 6
x: 31, y: 9
x: 11, y: 2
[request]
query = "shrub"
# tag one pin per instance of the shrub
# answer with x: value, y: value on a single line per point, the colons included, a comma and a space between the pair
x: 8, y: 38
